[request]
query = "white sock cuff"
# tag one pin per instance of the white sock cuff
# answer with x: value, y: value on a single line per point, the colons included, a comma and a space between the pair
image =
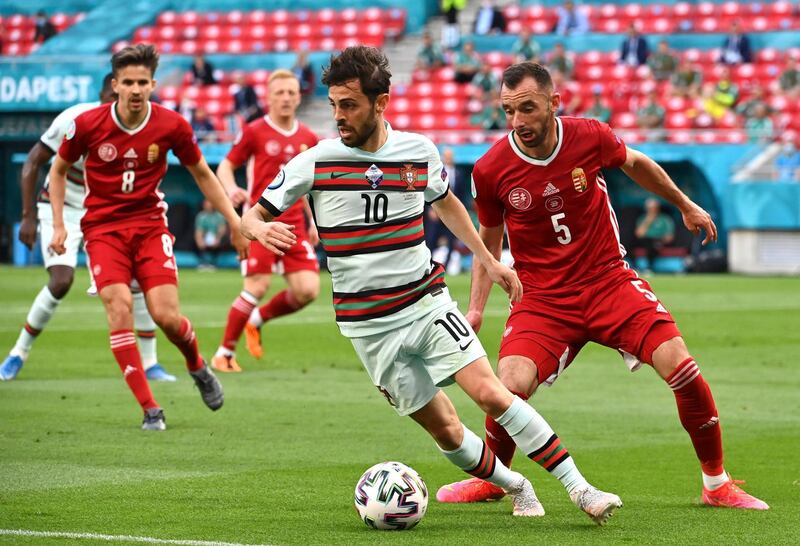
x: 468, y: 453
x: 510, y: 419
x: 49, y: 297
x: 248, y: 297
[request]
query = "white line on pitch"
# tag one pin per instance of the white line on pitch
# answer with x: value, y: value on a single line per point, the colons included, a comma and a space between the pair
x: 117, y: 538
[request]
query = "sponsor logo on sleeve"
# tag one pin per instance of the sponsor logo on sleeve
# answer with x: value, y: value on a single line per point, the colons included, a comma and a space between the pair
x: 472, y: 188
x: 278, y: 182
x: 70, y: 130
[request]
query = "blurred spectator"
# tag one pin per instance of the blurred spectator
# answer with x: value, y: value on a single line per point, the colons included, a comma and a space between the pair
x: 2, y: 37
x: 651, y: 114
x: 44, y: 29
x: 438, y: 238
x: 430, y: 55
x: 789, y: 80
x: 304, y: 73
x: 202, y: 126
x: 451, y: 32
x: 467, y: 63
x: 759, y: 126
x: 747, y: 108
x: 559, y: 61
x: 571, y: 20
x: 736, y: 47
x: 686, y: 82
x: 634, y: 50
x: 485, y: 81
x: 570, y: 101
x: 526, y: 48
x: 654, y: 230
x: 787, y: 164
x: 209, y: 230
x: 662, y: 63
x: 202, y: 71
x: 245, y: 100
x: 598, y: 110
x: 493, y: 117
x: 489, y: 19
x: 719, y: 98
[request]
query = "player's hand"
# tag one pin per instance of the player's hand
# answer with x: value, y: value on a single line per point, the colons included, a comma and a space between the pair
x: 240, y: 243
x: 313, y: 235
x: 275, y: 236
x: 27, y: 232
x: 696, y: 219
x: 475, y: 319
x: 58, y: 240
x: 238, y: 196
x: 507, y: 279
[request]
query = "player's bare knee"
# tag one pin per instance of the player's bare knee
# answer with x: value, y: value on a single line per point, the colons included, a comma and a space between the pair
x: 668, y: 356
x: 169, y: 320
x: 60, y: 281
x: 492, y: 398
x: 306, y: 294
x: 447, y: 434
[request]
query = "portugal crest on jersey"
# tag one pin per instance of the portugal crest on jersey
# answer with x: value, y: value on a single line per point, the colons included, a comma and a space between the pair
x: 579, y: 180
x: 408, y: 174
x: 374, y: 175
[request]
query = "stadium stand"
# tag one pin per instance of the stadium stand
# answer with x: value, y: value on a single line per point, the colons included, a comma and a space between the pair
x: 19, y: 31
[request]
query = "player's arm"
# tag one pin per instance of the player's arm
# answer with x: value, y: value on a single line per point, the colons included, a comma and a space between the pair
x: 481, y: 287
x: 313, y: 234
x: 37, y: 158
x: 649, y: 175
x: 225, y: 174
x: 57, y: 191
x: 215, y: 193
x: 456, y: 218
x: 258, y: 225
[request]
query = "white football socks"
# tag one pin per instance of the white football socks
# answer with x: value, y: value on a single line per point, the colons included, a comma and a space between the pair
x: 143, y: 322
x: 43, y: 308
x: 255, y: 318
x: 715, y: 482
x: 474, y: 457
x: 537, y: 440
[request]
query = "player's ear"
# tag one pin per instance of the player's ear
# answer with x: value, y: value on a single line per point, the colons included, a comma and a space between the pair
x: 382, y: 102
x: 555, y: 101
x: 155, y: 83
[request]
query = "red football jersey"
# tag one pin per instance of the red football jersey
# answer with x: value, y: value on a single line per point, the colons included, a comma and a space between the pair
x: 561, y: 228
x: 266, y: 148
x: 124, y: 167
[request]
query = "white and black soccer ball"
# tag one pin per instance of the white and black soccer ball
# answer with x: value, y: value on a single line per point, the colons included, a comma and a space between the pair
x: 391, y: 496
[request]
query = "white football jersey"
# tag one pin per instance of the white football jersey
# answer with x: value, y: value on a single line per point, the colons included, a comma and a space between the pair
x: 76, y: 190
x: 368, y: 208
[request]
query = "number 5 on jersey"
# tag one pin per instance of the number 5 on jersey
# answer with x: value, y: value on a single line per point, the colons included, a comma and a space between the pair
x: 564, y: 236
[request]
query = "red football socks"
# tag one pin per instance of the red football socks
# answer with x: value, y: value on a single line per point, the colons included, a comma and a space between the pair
x: 698, y: 414
x: 123, y: 345
x: 186, y: 342
x: 238, y: 315
x: 281, y: 304
x: 498, y: 440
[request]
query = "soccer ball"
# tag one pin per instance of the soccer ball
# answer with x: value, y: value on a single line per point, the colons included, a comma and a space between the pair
x: 391, y: 495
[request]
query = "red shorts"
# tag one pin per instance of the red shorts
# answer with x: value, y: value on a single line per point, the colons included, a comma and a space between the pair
x: 300, y: 257
x: 619, y: 311
x: 141, y: 253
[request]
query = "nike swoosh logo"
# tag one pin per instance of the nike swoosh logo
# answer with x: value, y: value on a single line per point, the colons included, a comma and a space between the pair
x: 338, y: 175
x: 464, y: 347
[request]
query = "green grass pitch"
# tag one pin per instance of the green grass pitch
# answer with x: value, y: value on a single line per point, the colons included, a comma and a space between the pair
x: 278, y: 463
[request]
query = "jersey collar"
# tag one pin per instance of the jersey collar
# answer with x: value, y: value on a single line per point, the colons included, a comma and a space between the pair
x: 284, y: 132
x: 136, y: 129
x: 532, y: 160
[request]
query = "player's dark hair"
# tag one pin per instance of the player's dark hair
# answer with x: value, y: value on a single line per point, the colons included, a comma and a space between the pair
x: 366, y: 64
x: 138, y: 55
x: 514, y: 74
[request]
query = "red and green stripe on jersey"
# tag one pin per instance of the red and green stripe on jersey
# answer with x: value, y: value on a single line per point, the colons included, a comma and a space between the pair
x: 352, y: 176
x: 74, y: 176
x: 381, y: 302
x: 365, y: 239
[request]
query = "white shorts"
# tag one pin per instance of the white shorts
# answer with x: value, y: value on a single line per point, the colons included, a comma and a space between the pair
x: 72, y: 222
x: 410, y: 363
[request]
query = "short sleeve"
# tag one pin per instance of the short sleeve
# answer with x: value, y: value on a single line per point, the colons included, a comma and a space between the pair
x: 612, y: 149
x: 185, y: 148
x: 54, y: 136
x: 438, y: 185
x: 242, y: 149
x: 75, y: 140
x: 490, y: 209
x: 293, y: 182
